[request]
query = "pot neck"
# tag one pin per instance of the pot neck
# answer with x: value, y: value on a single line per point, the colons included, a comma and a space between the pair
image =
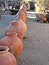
x: 11, y: 34
x: 15, y: 23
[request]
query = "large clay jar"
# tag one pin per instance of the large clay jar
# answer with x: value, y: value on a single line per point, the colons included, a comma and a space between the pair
x: 44, y: 18
x: 17, y: 26
x: 6, y: 58
x: 23, y: 15
x: 23, y: 7
x: 13, y: 42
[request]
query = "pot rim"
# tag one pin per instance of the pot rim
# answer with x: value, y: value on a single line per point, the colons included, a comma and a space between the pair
x: 14, y: 21
x: 11, y: 33
x: 3, y: 49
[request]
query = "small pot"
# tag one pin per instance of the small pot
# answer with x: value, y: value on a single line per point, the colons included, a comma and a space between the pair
x: 6, y: 58
x: 23, y: 15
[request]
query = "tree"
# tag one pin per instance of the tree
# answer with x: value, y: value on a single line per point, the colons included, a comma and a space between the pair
x: 46, y: 4
x: 43, y: 3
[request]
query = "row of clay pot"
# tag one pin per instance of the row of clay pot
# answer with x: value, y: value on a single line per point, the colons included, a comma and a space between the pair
x: 22, y: 13
x: 13, y: 40
x: 23, y: 16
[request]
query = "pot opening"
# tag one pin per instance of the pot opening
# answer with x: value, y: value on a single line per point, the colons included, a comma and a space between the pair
x: 3, y: 48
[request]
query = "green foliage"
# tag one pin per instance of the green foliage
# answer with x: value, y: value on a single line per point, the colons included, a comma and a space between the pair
x: 44, y: 3
x: 40, y: 1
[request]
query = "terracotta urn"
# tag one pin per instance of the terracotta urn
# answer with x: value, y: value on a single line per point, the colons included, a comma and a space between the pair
x: 23, y: 15
x: 44, y: 18
x: 17, y: 26
x: 13, y: 42
x: 23, y: 7
x: 6, y: 58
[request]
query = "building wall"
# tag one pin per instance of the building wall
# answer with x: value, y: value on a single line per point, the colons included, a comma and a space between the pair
x: 32, y: 0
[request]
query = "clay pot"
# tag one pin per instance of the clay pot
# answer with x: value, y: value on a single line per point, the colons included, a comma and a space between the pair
x: 18, y: 27
x: 23, y: 15
x: 6, y: 58
x: 13, y: 42
x: 44, y: 18
x: 23, y: 7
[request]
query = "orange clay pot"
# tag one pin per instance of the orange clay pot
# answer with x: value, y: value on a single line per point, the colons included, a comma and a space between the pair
x: 44, y: 18
x: 23, y: 15
x: 18, y: 27
x: 6, y: 58
x: 23, y: 7
x: 13, y: 42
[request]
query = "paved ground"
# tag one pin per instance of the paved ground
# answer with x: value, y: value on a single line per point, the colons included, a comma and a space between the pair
x: 36, y: 44
x: 4, y: 22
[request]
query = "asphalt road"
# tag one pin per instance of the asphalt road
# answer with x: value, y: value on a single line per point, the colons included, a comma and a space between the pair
x: 4, y: 22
